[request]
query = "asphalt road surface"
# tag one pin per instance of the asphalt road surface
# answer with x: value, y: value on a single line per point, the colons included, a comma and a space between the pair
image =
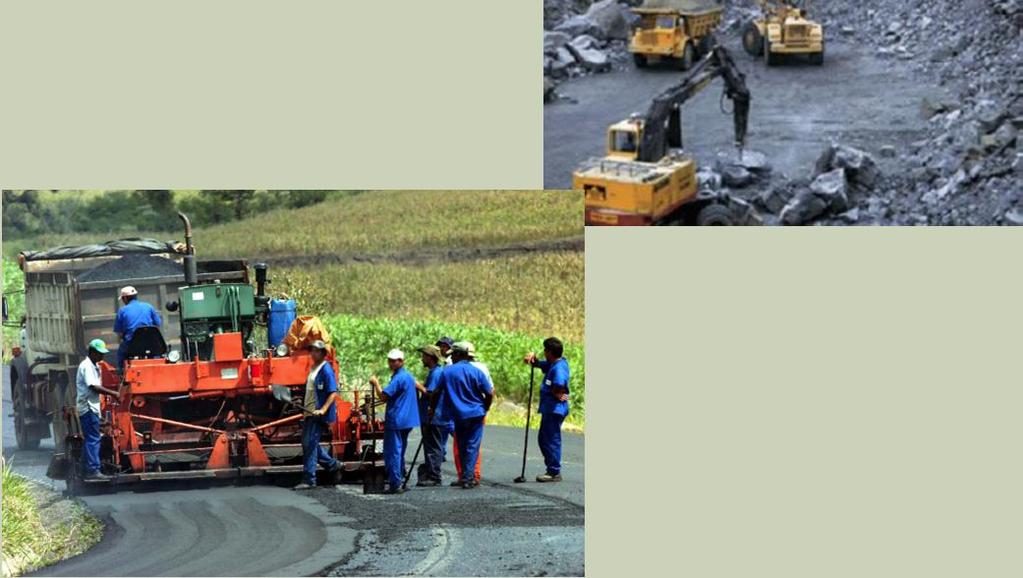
x: 855, y: 98
x: 498, y: 529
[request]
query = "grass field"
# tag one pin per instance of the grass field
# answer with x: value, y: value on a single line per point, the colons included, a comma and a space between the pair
x: 376, y: 222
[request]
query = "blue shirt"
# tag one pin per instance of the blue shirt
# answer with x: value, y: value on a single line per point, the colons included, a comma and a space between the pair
x: 134, y: 315
x: 326, y: 384
x: 464, y: 389
x: 432, y: 380
x: 555, y: 374
x: 402, y: 409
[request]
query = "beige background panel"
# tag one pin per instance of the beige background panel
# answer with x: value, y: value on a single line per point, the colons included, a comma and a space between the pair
x: 261, y: 94
x: 804, y: 402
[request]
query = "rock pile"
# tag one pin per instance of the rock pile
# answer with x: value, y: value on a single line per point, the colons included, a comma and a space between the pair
x: 581, y: 37
x: 969, y: 169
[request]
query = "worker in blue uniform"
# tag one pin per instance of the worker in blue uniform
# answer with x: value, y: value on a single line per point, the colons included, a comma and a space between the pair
x: 320, y: 411
x: 435, y: 436
x: 402, y: 415
x: 553, y: 405
x: 467, y: 395
x: 131, y: 316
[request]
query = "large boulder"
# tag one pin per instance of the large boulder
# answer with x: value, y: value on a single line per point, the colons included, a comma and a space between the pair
x: 609, y: 17
x: 553, y: 40
x: 831, y: 187
x: 585, y: 50
x: 804, y: 207
x: 579, y: 25
x: 860, y: 168
x: 735, y: 176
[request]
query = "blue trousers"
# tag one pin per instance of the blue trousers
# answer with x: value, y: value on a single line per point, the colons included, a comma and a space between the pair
x: 469, y: 437
x: 90, y: 431
x: 395, y: 444
x: 549, y: 439
x: 312, y: 452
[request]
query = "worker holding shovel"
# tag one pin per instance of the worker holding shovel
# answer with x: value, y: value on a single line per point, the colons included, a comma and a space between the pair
x: 402, y: 415
x: 320, y: 394
x: 435, y: 435
x: 553, y: 405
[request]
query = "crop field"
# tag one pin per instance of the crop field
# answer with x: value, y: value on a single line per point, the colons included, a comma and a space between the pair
x: 376, y: 222
x: 362, y: 345
x: 538, y: 294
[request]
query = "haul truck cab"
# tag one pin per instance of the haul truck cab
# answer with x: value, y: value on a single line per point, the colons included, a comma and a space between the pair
x: 673, y: 31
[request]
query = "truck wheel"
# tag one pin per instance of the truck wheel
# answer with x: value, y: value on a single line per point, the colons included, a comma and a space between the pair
x: 769, y: 59
x: 688, y: 57
x: 640, y: 60
x: 715, y: 215
x: 818, y: 58
x: 752, y: 40
x: 22, y: 433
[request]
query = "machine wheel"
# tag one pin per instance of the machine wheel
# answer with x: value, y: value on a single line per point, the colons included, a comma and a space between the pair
x: 715, y: 215
x: 688, y: 57
x: 706, y: 45
x: 22, y: 433
x: 818, y: 58
x: 752, y: 40
x: 769, y: 59
x: 640, y: 60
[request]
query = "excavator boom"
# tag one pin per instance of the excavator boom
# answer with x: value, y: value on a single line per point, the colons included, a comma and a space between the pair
x: 662, y: 121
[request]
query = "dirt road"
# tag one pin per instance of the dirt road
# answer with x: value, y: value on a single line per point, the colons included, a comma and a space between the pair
x: 497, y: 529
x: 855, y: 98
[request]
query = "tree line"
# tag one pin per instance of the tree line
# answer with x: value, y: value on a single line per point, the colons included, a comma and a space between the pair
x: 32, y: 212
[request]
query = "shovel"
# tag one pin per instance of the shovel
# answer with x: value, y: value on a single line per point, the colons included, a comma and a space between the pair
x: 282, y: 393
x: 525, y: 445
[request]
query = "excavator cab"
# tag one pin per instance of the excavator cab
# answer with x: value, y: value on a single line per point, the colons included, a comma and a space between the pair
x: 623, y: 139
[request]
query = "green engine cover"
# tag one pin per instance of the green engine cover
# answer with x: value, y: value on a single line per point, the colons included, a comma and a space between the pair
x: 218, y: 301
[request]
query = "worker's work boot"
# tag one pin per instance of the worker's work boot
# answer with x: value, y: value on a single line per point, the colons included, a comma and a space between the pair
x: 426, y: 482
x: 397, y: 490
x: 96, y: 476
x: 543, y: 478
x: 470, y: 485
x: 303, y: 486
x: 456, y: 483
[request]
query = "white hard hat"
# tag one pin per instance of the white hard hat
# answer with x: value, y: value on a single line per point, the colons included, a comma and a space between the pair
x: 128, y: 291
x: 395, y: 354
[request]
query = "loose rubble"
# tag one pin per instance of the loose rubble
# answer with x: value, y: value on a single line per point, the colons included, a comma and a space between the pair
x: 583, y: 37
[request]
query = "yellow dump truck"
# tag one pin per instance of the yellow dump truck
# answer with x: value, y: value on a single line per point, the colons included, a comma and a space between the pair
x: 673, y: 30
x: 783, y: 29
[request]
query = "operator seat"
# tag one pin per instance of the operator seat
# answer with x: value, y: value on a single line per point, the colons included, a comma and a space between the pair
x: 146, y: 343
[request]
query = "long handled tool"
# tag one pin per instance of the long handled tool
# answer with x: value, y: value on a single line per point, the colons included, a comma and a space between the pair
x: 408, y: 474
x: 282, y: 393
x: 525, y: 444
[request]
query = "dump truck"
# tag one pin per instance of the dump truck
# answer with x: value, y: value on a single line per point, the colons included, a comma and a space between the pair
x: 783, y: 28
x: 199, y: 396
x: 673, y: 30
x: 646, y: 178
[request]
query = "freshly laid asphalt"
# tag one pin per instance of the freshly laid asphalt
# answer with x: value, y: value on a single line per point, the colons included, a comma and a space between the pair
x: 498, y: 529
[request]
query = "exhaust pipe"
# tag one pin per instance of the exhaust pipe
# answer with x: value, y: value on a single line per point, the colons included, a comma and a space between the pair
x: 261, y: 279
x: 191, y: 274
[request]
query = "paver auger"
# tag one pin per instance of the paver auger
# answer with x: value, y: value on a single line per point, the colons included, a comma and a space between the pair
x: 209, y: 409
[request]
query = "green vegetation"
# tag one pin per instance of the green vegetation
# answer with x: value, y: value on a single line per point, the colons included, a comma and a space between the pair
x: 14, y: 280
x: 378, y: 222
x: 33, y: 212
x: 36, y: 534
x: 362, y: 345
x: 533, y: 294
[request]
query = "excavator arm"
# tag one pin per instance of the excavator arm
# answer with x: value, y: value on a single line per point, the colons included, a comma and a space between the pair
x: 662, y: 122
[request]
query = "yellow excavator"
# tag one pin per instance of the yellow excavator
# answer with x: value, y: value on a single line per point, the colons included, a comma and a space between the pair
x: 783, y: 28
x: 646, y: 178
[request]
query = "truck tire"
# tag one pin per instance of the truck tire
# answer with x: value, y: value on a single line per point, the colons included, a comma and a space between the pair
x: 715, y: 214
x: 688, y: 57
x: 23, y: 434
x: 752, y: 40
x: 640, y: 60
x: 769, y: 59
x: 818, y: 58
